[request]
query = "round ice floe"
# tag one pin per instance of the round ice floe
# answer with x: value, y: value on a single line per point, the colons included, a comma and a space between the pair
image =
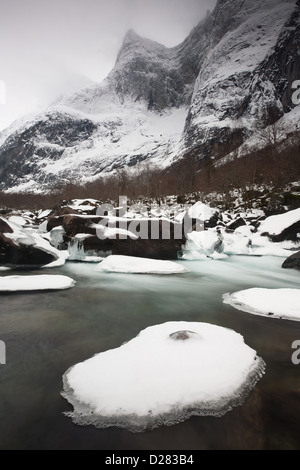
x: 132, y: 265
x: 165, y: 375
x: 273, y: 303
x: 35, y: 283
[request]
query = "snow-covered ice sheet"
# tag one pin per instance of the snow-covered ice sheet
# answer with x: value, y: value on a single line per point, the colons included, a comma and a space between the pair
x: 274, y: 303
x: 166, y: 374
x: 132, y: 265
x: 35, y: 283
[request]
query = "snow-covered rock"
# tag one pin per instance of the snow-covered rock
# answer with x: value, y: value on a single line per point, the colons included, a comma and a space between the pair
x: 273, y: 303
x: 202, y: 212
x: 282, y: 227
x: 130, y: 264
x: 35, y: 283
x: 203, y: 244
x: 166, y: 374
x: 26, y: 247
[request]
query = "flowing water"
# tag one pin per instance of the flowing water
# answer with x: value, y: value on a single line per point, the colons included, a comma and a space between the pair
x: 46, y: 333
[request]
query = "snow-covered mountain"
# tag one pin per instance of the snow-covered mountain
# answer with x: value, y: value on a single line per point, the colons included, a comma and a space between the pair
x: 160, y: 104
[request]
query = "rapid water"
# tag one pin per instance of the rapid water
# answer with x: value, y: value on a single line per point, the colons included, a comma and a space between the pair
x: 46, y: 333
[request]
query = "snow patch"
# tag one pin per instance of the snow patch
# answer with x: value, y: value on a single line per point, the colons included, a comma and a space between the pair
x: 273, y: 303
x: 163, y: 376
x: 132, y: 265
x: 35, y: 283
x: 201, y: 212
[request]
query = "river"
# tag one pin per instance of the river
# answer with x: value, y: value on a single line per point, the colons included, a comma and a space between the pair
x: 46, y: 333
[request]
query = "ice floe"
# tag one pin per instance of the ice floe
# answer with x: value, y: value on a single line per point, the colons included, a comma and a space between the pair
x: 166, y: 374
x: 273, y: 303
x: 132, y: 265
x: 35, y: 283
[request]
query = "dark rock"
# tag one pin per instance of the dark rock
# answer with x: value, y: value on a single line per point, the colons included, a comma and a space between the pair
x: 20, y: 255
x: 213, y: 221
x: 232, y: 226
x: 170, y: 238
x: 256, y: 222
x: 4, y: 227
x: 292, y: 200
x: 182, y: 335
x: 23, y: 256
x: 293, y: 262
x: 164, y: 248
x: 56, y: 217
x: 73, y: 225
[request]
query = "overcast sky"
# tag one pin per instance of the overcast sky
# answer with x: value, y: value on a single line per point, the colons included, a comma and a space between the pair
x: 51, y: 47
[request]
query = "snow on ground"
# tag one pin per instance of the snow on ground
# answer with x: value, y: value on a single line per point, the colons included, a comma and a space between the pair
x: 132, y: 265
x: 44, y: 214
x: 243, y: 241
x: 17, y: 220
x: 202, y: 244
x: 275, y: 303
x: 166, y: 374
x: 276, y: 224
x: 111, y: 232
x: 201, y: 212
x: 35, y: 283
x: 84, y: 204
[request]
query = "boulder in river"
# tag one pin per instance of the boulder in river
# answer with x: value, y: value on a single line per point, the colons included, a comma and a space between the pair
x: 292, y: 262
x: 24, y: 248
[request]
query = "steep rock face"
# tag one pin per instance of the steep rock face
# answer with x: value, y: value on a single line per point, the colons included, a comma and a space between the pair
x: 246, y: 78
x: 282, y: 66
x: 25, y: 152
x: 202, y: 98
x: 147, y: 71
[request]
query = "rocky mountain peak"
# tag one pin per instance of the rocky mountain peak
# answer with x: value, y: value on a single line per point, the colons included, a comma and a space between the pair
x: 201, y: 99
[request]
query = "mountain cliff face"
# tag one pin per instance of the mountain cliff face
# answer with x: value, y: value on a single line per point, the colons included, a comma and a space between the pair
x: 203, y: 97
x: 247, y: 77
